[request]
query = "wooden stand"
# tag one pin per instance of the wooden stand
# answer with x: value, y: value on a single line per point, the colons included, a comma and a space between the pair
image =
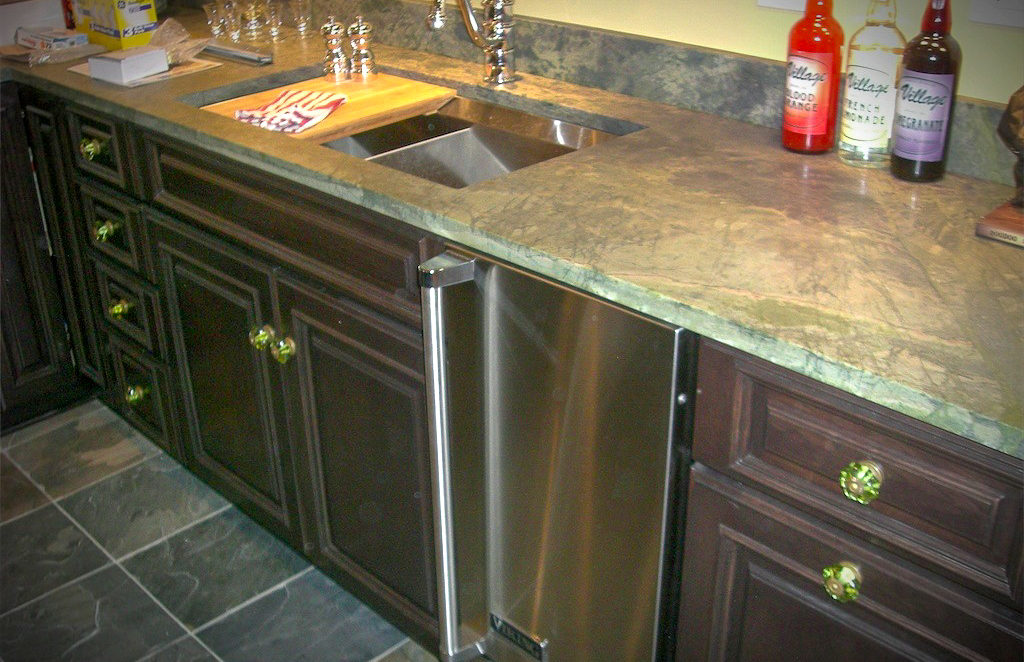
x: 1004, y: 223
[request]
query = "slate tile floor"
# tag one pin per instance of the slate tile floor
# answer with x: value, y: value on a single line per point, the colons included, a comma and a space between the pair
x: 110, y: 550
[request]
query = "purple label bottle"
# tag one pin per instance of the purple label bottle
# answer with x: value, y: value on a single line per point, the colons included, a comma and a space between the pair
x: 925, y: 95
x: 923, y: 103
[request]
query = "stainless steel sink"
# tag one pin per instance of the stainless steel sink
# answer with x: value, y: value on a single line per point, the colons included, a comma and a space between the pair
x: 468, y: 141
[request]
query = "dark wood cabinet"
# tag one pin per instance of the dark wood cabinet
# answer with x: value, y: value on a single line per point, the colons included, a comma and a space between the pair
x: 44, y: 120
x: 357, y: 381
x: 321, y: 433
x: 37, y: 367
x: 935, y: 549
x: 235, y: 426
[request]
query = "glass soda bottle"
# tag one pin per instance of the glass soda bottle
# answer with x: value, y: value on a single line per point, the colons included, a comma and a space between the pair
x: 924, y: 98
x: 812, y: 80
x: 872, y: 68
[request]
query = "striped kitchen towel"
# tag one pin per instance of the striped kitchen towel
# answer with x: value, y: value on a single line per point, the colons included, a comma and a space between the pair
x: 293, y: 111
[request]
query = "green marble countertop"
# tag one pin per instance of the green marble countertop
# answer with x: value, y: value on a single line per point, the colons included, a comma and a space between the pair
x: 872, y: 285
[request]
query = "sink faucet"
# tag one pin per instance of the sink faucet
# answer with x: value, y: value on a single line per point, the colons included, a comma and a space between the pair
x: 493, y: 35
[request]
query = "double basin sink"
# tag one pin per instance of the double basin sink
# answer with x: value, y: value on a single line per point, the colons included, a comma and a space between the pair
x: 467, y: 140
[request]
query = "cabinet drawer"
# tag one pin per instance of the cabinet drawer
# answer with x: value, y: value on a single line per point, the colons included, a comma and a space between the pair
x: 130, y: 305
x: 944, y: 502
x: 112, y: 224
x: 142, y: 394
x: 100, y: 148
x: 753, y: 589
x: 368, y: 256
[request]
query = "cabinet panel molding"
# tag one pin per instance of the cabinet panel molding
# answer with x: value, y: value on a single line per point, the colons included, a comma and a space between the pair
x: 752, y: 589
x: 357, y: 382
x: 236, y: 430
x: 947, y: 503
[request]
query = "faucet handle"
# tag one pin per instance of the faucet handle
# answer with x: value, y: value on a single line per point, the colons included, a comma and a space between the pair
x: 436, y: 18
x: 360, y: 35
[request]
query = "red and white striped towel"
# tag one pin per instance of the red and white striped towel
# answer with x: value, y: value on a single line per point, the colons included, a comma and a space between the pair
x: 293, y: 111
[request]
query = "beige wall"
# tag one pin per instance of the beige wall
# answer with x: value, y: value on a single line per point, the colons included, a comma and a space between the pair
x: 993, y: 66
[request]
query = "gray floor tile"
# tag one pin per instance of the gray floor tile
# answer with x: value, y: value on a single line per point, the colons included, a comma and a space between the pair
x: 17, y: 493
x: 309, y: 619
x: 187, y: 649
x: 57, y: 420
x: 41, y: 551
x: 74, y: 453
x: 104, y: 616
x: 140, y: 505
x: 217, y: 564
x: 410, y: 651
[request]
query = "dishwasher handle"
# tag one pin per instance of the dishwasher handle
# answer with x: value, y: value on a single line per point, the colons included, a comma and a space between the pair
x: 457, y: 643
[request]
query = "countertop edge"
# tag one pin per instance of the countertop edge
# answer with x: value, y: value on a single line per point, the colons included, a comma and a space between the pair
x: 989, y: 432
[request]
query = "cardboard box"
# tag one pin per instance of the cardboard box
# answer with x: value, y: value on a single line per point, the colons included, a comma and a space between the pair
x: 130, y: 64
x: 117, y: 24
x: 47, y: 37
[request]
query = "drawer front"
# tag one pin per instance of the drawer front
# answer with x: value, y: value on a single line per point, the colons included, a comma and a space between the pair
x: 100, y: 148
x: 130, y: 305
x: 368, y: 256
x: 943, y: 501
x: 112, y: 225
x: 142, y: 394
x: 753, y: 588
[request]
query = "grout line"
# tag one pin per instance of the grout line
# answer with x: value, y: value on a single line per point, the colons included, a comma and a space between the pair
x: 242, y: 605
x: 138, y: 583
x: 105, y: 566
x: 96, y: 482
x: 154, y: 543
x: 391, y: 650
x: 132, y: 577
x: 34, y: 483
x: 47, y: 420
x: 173, y: 642
x: 27, y: 512
x: 50, y: 498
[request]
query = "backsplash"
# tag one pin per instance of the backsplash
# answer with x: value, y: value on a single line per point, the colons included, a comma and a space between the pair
x: 717, y: 82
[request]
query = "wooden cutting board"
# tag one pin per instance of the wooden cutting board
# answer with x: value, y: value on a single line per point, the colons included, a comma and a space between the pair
x: 381, y: 100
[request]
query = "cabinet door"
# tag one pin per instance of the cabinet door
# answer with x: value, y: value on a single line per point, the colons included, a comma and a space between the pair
x: 753, y: 590
x: 234, y: 424
x: 52, y: 166
x: 37, y: 370
x: 357, y: 380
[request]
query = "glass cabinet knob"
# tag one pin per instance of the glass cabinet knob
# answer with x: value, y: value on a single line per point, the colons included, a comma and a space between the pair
x: 261, y: 337
x: 135, y: 394
x: 90, y: 148
x: 105, y: 231
x: 861, y: 481
x: 283, y: 350
x: 842, y: 581
x: 118, y: 309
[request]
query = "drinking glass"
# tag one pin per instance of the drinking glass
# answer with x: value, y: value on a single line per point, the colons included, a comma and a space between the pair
x: 232, y: 21
x: 273, y: 15
x: 302, y: 12
x: 252, y: 19
x: 214, y: 19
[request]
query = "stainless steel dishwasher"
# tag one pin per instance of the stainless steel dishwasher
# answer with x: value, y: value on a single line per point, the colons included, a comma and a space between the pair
x: 555, y: 439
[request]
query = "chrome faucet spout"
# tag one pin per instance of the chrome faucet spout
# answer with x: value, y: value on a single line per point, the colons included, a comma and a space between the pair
x: 493, y: 35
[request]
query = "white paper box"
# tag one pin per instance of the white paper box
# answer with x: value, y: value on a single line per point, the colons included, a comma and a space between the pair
x: 129, y: 64
x: 45, y: 37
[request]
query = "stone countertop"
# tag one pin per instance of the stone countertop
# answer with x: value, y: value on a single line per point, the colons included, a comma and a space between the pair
x: 849, y: 276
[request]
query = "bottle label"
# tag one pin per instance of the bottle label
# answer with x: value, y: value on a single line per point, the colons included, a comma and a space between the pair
x: 870, y: 99
x: 807, y: 88
x: 923, y: 104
